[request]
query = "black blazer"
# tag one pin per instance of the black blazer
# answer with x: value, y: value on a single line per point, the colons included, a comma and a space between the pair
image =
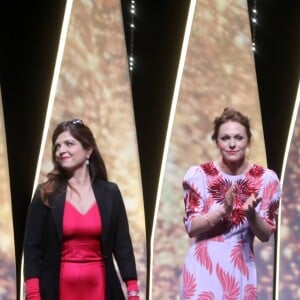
x: 43, y: 240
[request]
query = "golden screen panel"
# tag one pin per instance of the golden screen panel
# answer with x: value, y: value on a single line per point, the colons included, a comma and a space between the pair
x: 288, y: 234
x: 218, y: 72
x: 91, y: 82
x: 7, y: 246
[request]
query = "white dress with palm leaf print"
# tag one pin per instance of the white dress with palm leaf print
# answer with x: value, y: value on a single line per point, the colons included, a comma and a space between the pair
x: 220, y: 263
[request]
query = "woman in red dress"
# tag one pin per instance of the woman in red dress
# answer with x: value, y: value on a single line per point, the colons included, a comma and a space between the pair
x: 77, y: 226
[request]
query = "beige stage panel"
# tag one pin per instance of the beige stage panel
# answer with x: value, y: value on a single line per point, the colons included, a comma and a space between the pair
x: 288, y: 274
x: 216, y: 70
x: 7, y: 245
x: 91, y: 82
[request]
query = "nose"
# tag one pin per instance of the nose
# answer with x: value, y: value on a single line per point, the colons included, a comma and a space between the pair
x: 231, y: 144
x: 61, y: 150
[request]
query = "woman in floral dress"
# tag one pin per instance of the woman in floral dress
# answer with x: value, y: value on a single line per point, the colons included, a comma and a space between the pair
x: 227, y: 203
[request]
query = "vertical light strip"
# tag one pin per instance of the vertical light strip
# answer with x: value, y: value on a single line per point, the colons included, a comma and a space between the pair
x: 218, y: 69
x: 170, y: 126
x: 284, y: 164
x: 56, y: 72
x: 91, y: 70
x: 7, y: 249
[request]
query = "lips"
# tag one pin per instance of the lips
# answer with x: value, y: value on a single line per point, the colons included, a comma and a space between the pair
x: 232, y: 152
x: 63, y: 158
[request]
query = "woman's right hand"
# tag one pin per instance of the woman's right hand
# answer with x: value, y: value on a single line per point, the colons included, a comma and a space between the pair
x: 229, y: 197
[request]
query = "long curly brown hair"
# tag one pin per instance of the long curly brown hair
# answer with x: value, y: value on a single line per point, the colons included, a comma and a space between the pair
x: 84, y: 135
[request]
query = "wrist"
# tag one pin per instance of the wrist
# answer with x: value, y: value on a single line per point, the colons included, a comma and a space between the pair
x: 251, y: 215
x: 223, y: 211
x: 133, y: 293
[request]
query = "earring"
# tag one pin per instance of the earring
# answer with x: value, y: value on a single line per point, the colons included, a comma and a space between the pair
x: 87, y: 161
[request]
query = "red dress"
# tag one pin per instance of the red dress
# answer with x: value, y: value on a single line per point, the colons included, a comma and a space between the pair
x: 82, y: 274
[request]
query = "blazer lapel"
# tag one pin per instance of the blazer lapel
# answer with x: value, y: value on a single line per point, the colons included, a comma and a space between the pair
x: 57, y: 211
x: 104, y: 204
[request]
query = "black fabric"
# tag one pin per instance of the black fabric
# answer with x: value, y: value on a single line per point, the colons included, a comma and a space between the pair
x: 43, y: 240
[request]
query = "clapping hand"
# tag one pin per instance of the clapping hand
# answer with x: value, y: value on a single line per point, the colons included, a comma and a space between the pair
x: 250, y: 204
x: 228, y: 203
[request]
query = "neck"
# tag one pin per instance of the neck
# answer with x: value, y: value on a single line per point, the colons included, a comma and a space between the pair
x: 235, y: 168
x: 80, y: 178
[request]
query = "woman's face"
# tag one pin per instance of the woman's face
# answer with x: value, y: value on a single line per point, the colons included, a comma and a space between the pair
x: 232, y: 141
x: 69, y: 152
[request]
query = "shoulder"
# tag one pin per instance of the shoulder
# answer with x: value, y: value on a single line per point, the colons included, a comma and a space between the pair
x: 36, y: 202
x: 37, y: 193
x: 192, y: 172
x: 266, y: 173
x: 205, y: 169
x: 105, y: 185
x: 270, y: 175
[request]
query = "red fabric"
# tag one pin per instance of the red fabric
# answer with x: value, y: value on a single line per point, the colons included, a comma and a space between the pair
x: 132, y: 285
x: 82, y: 273
x: 32, y: 289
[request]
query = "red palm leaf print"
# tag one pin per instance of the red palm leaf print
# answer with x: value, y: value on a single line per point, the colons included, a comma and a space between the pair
x: 219, y: 238
x: 193, y: 194
x: 236, y: 218
x: 218, y: 188
x: 229, y: 284
x: 191, y: 198
x: 206, y: 296
x: 269, y: 192
x: 210, y: 169
x: 256, y: 171
x: 273, y: 209
x: 208, y: 204
x: 250, y: 292
x: 243, y: 189
x: 203, y: 257
x: 238, y: 260
x: 189, y: 284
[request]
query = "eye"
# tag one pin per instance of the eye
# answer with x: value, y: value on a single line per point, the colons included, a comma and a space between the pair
x: 69, y: 143
x: 239, y: 137
x: 224, y: 138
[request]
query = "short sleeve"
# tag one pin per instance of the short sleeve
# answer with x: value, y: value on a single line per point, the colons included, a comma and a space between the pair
x: 270, y: 198
x: 193, y: 187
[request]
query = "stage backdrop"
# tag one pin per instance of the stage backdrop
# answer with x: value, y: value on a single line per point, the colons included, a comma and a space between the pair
x: 91, y: 82
x: 7, y: 246
x: 216, y: 70
x: 288, y: 273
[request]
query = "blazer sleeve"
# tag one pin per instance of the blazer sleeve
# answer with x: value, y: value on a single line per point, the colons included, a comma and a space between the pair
x: 34, y: 237
x: 122, y: 248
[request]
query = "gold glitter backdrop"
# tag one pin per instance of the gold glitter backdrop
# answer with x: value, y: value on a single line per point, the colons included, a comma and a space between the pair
x: 93, y: 84
x: 219, y: 71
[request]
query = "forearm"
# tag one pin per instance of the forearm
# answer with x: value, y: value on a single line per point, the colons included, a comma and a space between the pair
x: 132, y: 290
x: 259, y: 227
x: 32, y: 289
x: 205, y: 222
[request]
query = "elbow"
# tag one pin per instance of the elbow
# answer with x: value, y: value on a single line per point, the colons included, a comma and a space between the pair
x: 265, y: 237
x: 191, y: 233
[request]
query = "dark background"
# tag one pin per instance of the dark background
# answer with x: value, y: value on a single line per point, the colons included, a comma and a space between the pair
x: 29, y: 39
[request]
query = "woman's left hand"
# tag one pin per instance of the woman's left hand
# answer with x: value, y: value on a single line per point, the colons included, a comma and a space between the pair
x: 250, y: 204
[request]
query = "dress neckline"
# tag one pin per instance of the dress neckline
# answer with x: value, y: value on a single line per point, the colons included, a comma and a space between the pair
x: 233, y: 175
x: 80, y: 212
